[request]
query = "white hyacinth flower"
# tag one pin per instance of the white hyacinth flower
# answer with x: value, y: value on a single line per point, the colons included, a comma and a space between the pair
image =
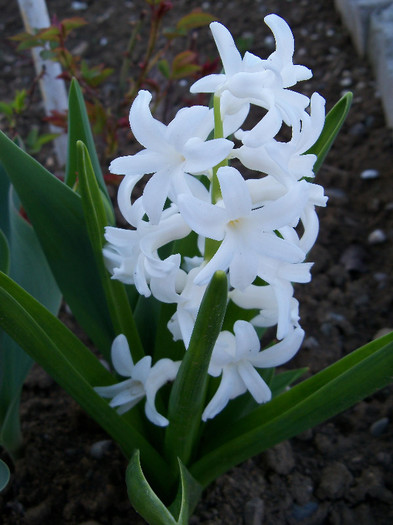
x: 272, y: 311
x: 132, y: 255
x: 144, y: 381
x: 235, y: 357
x: 171, y: 152
x: 246, y: 233
x: 253, y: 80
x: 183, y: 320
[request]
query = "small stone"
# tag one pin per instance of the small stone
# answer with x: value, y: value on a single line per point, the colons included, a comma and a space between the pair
x: 98, y: 449
x: 358, y: 130
x: 335, y: 480
x: 79, y: 6
x: 301, y: 512
x: 311, y: 343
x: 269, y: 42
x: 346, y: 82
x: 369, y: 174
x: 280, y: 458
x: 353, y: 258
x: 379, y: 427
x: 336, y: 193
x: 376, y: 237
x: 301, y: 487
x: 254, y: 512
x: 380, y: 276
x: 38, y: 514
x: 382, y: 331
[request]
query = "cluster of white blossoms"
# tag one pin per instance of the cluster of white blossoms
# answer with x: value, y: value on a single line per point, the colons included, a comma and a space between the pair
x: 257, y: 230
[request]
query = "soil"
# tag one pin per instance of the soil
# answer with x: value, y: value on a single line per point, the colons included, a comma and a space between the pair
x: 338, y: 473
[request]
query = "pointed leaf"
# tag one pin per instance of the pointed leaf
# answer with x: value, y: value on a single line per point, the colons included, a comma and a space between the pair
x: 95, y: 218
x: 333, y: 123
x: 30, y: 269
x: 4, y: 475
x: 56, y: 214
x: 148, y: 503
x: 189, y: 389
x: 79, y: 129
x: 307, y: 404
x: 4, y: 253
x: 72, y: 365
x: 188, y: 495
x: 144, y: 500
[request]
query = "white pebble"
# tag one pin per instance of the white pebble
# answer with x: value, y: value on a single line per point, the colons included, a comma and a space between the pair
x: 346, y: 81
x: 79, y: 6
x: 369, y: 174
x: 376, y: 237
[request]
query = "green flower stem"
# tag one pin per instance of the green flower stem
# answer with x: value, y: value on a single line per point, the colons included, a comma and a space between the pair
x: 218, y: 134
x: 211, y: 246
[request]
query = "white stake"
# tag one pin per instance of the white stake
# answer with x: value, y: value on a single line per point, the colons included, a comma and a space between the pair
x: 35, y: 16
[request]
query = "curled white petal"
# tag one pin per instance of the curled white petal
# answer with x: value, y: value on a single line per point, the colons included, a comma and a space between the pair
x: 144, y: 381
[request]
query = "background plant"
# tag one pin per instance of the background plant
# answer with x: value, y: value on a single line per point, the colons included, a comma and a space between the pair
x: 151, y: 60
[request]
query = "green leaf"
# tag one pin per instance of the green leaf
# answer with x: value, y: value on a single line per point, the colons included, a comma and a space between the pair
x: 70, y: 24
x: 73, y: 366
x: 56, y: 214
x: 307, y: 404
x: 149, y: 505
x: 95, y: 218
x: 189, y: 389
x: 27, y: 266
x: 333, y: 123
x: 281, y: 382
x: 163, y: 67
x: 6, y: 109
x: 4, y: 475
x: 79, y: 129
x: 4, y: 253
x: 195, y: 19
x: 184, y: 64
x: 187, y: 497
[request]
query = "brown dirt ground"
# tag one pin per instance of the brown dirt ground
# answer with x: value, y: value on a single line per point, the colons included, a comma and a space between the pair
x: 337, y: 473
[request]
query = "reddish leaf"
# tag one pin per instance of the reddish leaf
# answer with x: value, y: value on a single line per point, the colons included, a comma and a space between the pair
x: 197, y: 18
x: 72, y: 23
x: 184, y: 64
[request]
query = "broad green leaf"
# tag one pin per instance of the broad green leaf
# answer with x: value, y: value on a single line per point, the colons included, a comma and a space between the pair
x: 56, y: 214
x: 143, y: 498
x: 4, y: 199
x: 281, y: 382
x: 149, y: 505
x: 4, y: 253
x: 95, y: 218
x: 73, y: 366
x: 28, y: 267
x: 4, y: 475
x: 188, y: 392
x: 79, y: 129
x: 307, y: 404
x: 187, y: 497
x: 333, y: 123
